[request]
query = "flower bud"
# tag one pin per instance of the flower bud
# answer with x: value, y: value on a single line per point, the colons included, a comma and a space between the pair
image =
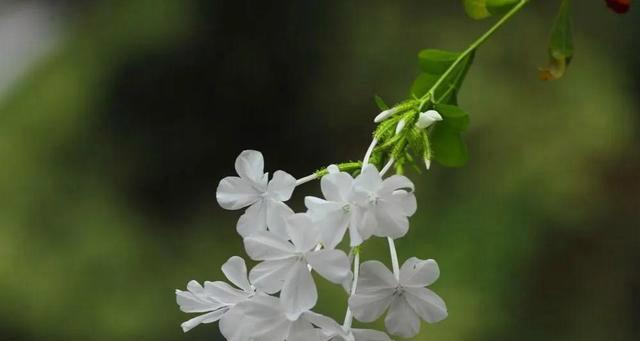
x: 385, y: 114
x: 427, y: 163
x: 427, y: 118
x: 400, y: 126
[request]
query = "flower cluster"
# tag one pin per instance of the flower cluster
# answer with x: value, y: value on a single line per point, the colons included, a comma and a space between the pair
x: 273, y: 301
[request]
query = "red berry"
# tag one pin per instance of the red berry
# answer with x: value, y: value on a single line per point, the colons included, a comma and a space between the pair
x: 619, y: 6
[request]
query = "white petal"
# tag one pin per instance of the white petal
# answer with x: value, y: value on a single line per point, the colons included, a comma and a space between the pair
x: 190, y: 302
x: 427, y: 304
x: 396, y: 182
x: 375, y: 275
x: 336, y: 186
x: 269, y: 276
x: 302, y: 330
x: 333, y: 169
x: 253, y: 319
x: 369, y: 335
x: 233, y: 324
x: 267, y: 246
x: 331, y: 219
x: 418, y: 273
x: 330, y: 264
x: 224, y: 293
x: 234, y: 193
x: 250, y: 166
x: 236, y: 271
x: 277, y: 213
x: 367, y: 306
x: 402, y: 320
x: 299, y: 292
x: 281, y: 186
x: 323, y: 322
x: 205, y: 318
x: 404, y: 201
x: 391, y: 222
x: 302, y: 232
x: 364, y: 222
x: 253, y: 220
x: 367, y: 182
x: 355, y: 221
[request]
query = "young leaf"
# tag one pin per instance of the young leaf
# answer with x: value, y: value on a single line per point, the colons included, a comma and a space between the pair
x: 560, y: 45
x: 476, y: 9
x: 380, y: 102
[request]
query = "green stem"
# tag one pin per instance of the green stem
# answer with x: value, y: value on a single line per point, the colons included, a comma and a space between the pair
x: 470, y: 49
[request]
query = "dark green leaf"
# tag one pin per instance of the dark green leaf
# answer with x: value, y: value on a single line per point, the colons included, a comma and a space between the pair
x: 453, y: 116
x: 380, y: 102
x: 447, y: 146
x: 435, y: 61
x: 422, y: 84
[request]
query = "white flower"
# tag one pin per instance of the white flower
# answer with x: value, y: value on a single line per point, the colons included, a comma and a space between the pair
x: 407, y: 298
x: 331, y: 330
x: 428, y: 118
x: 264, y: 198
x: 215, y: 299
x: 285, y: 264
x: 263, y: 319
x: 385, y: 205
x: 333, y: 214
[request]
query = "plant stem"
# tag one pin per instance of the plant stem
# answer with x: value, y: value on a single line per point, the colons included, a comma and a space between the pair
x: 394, y: 258
x: 348, y: 318
x: 470, y: 49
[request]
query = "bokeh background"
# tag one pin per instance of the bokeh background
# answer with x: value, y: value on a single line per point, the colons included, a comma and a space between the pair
x: 118, y: 118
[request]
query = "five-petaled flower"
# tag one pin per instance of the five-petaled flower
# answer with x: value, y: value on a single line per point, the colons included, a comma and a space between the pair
x: 406, y: 297
x: 216, y: 299
x: 334, y: 214
x: 252, y: 188
x: 285, y: 265
x: 383, y: 205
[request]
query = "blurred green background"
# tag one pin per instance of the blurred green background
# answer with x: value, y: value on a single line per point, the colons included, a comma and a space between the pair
x: 118, y: 118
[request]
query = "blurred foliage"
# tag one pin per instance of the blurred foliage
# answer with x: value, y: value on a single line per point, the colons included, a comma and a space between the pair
x: 112, y: 146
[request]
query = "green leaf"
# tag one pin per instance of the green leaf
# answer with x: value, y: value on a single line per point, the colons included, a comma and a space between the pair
x: 434, y: 64
x: 498, y: 7
x: 453, y: 116
x: 476, y: 9
x: 447, y: 146
x: 422, y: 84
x: 435, y: 61
x: 380, y: 102
x: 560, y: 44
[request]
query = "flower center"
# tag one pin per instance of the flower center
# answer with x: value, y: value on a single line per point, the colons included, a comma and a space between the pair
x: 373, y: 198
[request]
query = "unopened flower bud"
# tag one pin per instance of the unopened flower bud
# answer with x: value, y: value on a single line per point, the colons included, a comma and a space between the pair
x: 428, y: 118
x: 427, y: 163
x: 400, y: 126
x: 385, y: 114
